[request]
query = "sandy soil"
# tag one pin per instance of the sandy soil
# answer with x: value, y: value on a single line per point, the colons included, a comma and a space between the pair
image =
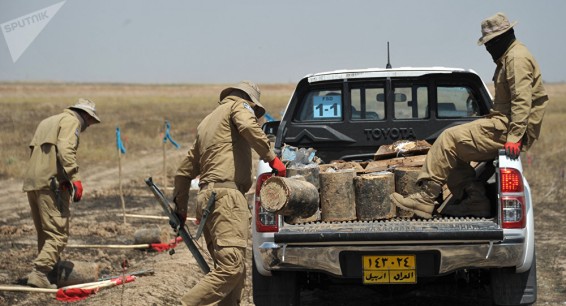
x: 97, y: 220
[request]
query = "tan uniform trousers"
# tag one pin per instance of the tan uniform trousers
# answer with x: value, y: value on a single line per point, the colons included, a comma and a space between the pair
x: 226, y: 234
x: 51, y: 220
x: 448, y: 160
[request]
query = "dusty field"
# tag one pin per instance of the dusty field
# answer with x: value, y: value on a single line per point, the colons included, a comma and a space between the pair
x: 97, y: 220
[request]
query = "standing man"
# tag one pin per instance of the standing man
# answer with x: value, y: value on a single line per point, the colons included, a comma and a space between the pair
x: 221, y: 155
x: 513, y: 124
x: 51, y: 180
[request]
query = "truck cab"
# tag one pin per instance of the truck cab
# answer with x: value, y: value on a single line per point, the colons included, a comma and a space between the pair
x: 347, y: 115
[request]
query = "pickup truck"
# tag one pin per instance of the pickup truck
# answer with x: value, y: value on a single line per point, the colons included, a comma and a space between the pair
x: 347, y: 115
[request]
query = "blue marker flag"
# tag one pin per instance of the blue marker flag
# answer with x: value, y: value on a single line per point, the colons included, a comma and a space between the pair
x: 168, y: 135
x: 119, y: 143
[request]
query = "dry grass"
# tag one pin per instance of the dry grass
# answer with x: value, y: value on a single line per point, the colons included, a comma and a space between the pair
x: 545, y: 162
x: 545, y: 167
x: 139, y: 111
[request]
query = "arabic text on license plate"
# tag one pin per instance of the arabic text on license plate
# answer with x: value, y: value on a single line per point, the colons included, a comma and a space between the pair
x: 389, y: 269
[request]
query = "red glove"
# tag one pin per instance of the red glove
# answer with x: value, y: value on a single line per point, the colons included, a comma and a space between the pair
x: 513, y: 149
x: 78, y: 187
x: 278, y: 167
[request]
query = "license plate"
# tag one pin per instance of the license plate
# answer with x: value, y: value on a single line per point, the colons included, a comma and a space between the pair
x: 389, y: 269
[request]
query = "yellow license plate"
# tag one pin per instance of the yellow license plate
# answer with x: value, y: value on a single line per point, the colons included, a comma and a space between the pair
x: 389, y: 269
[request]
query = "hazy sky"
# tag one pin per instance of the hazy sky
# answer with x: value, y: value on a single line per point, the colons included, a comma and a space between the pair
x: 140, y: 41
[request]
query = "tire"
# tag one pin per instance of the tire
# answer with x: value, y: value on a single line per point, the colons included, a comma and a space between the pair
x: 279, y: 289
x: 510, y: 288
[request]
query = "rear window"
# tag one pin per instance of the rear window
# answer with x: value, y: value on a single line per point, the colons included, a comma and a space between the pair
x: 322, y: 105
x: 367, y: 103
x: 411, y: 102
x: 456, y: 102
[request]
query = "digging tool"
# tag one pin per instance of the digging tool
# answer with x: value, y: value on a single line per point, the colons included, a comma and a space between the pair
x: 175, y: 224
x: 205, y: 214
x: 54, y: 186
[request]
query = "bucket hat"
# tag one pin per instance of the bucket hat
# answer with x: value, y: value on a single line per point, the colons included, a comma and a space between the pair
x: 251, y: 89
x: 494, y: 26
x: 87, y: 106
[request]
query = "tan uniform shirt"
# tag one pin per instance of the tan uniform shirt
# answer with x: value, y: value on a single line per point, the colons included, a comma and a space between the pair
x: 53, y: 150
x: 519, y: 94
x: 222, y: 150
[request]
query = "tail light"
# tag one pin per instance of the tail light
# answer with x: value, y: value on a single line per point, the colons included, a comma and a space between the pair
x: 512, y: 198
x: 264, y: 221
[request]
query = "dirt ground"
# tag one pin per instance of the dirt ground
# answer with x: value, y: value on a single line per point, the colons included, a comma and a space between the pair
x: 97, y: 220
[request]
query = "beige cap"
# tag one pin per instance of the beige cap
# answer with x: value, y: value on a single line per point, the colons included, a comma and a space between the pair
x: 494, y: 26
x: 87, y: 106
x: 251, y: 89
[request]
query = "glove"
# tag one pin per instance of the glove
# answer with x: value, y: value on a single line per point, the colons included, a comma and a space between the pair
x: 513, y: 149
x: 65, y: 186
x: 181, y: 198
x: 182, y: 218
x: 181, y: 215
x: 78, y: 187
x: 278, y: 167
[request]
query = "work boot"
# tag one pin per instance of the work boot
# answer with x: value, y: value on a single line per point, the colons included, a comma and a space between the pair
x: 475, y: 204
x: 420, y: 203
x: 39, y: 279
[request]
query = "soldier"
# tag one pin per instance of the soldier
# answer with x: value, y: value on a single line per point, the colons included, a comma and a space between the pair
x: 513, y: 124
x: 221, y: 156
x: 51, y: 180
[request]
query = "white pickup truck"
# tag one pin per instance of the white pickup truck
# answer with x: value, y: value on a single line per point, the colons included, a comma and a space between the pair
x: 373, y: 107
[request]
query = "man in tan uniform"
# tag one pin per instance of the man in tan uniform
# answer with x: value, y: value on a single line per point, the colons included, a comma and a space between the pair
x: 51, y: 180
x: 221, y: 156
x: 513, y: 124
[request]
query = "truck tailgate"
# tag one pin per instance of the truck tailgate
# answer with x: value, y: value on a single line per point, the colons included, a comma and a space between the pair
x: 392, y: 231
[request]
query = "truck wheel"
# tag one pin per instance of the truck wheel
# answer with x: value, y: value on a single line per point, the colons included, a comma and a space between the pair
x: 279, y: 289
x: 510, y: 288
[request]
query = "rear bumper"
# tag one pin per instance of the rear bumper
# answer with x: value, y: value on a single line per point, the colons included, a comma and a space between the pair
x: 330, y: 259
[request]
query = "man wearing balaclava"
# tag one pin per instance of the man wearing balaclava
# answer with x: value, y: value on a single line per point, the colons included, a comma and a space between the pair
x: 513, y: 124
